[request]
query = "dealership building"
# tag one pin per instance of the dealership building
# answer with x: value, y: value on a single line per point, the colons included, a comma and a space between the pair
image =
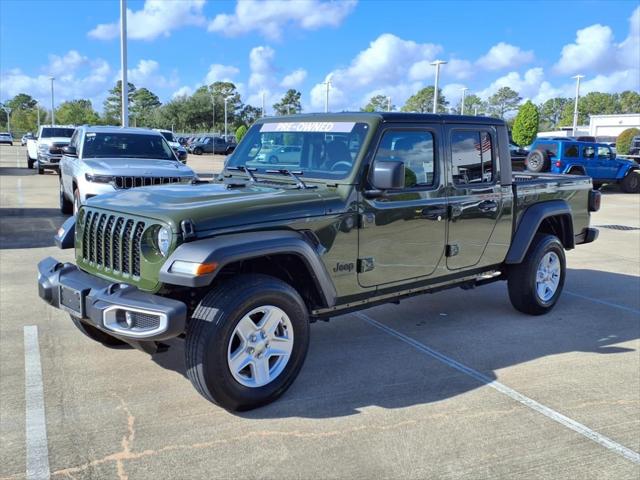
x: 605, y: 128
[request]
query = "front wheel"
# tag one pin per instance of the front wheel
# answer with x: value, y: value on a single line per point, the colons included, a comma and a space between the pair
x: 197, y: 151
x: 40, y: 169
x: 631, y: 182
x: 247, y: 341
x: 30, y: 162
x: 66, y: 206
x: 536, y: 284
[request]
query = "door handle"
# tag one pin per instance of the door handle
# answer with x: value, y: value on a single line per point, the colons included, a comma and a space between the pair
x: 488, y: 206
x: 434, y: 213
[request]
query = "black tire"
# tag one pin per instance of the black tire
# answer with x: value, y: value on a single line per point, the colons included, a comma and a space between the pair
x: 40, y: 169
x: 210, y: 331
x: 76, y: 202
x: 30, y: 162
x: 631, y: 182
x: 538, y: 161
x: 197, y: 151
x: 97, y: 335
x: 273, y: 159
x: 522, y: 278
x: 66, y: 206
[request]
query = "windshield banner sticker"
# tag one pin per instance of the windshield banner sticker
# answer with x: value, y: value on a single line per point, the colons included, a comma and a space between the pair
x: 319, y: 127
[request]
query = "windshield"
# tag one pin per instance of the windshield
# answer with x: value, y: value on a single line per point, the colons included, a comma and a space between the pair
x: 57, y: 132
x: 129, y: 145
x: 317, y: 149
x: 168, y: 136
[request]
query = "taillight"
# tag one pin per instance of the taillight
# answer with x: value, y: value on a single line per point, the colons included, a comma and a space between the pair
x: 558, y: 164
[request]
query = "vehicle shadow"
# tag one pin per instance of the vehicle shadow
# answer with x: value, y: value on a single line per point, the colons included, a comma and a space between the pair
x: 29, y: 227
x: 352, y: 365
x: 17, y: 172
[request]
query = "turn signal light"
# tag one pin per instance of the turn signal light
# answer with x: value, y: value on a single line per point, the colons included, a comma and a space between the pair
x: 192, y: 268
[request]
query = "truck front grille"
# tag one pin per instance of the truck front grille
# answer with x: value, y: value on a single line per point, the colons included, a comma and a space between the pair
x: 112, y: 242
x: 131, y: 182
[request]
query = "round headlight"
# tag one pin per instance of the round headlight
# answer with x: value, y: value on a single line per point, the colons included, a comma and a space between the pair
x: 164, y: 241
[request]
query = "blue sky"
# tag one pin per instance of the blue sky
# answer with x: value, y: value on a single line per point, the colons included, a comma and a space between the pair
x: 368, y: 47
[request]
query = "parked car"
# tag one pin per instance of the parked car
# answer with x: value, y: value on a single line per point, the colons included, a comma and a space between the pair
x: 288, y: 154
x: 240, y: 267
x: 518, y: 157
x: 209, y: 144
x: 584, y: 158
x: 634, y: 148
x: 6, y: 138
x: 180, y: 151
x: 25, y: 137
x: 45, y: 151
x: 100, y: 160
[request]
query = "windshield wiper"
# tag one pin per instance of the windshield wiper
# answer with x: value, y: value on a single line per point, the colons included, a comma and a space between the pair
x: 294, y: 175
x: 247, y: 170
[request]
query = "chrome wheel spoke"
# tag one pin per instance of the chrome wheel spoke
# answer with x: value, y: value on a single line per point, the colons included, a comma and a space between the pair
x: 260, y: 370
x: 271, y: 321
x: 240, y: 361
x: 246, y: 328
x: 279, y: 347
x: 548, y: 276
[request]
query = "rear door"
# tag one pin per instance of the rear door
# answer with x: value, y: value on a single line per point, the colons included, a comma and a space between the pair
x: 475, y: 202
x: 402, y: 233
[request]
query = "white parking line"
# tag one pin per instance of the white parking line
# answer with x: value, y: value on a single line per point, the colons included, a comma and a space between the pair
x: 604, y: 302
x: 36, y: 426
x: 518, y: 397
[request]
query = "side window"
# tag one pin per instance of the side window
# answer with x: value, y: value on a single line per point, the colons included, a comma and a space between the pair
x: 603, y: 152
x: 415, y: 149
x: 588, y: 152
x: 74, y: 139
x: 571, y: 151
x: 472, y: 157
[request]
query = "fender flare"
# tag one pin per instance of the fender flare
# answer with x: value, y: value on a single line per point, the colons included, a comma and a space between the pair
x: 227, y: 249
x: 529, y: 224
x: 577, y: 167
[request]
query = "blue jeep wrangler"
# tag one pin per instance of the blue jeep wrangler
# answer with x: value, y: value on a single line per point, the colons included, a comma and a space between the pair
x: 572, y: 157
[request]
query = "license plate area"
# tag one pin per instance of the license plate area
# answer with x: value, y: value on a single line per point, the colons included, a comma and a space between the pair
x: 72, y: 300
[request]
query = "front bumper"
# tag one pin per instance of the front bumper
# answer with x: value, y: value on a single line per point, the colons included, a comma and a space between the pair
x: 116, y: 308
x: 49, y: 161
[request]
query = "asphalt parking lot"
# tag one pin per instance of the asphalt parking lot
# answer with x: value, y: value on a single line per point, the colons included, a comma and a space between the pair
x: 451, y: 385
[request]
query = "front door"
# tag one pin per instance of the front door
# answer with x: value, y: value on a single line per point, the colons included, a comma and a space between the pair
x: 475, y: 202
x: 402, y: 233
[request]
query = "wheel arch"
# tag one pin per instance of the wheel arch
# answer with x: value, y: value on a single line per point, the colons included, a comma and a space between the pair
x: 552, y: 217
x: 286, y: 255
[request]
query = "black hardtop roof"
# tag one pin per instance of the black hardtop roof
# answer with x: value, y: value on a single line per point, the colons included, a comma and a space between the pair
x: 402, y: 117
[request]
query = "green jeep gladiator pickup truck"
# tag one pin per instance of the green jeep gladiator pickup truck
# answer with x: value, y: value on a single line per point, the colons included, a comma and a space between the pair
x: 363, y: 209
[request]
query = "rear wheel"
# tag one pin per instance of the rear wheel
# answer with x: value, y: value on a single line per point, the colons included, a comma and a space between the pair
x: 66, y: 206
x: 247, y: 341
x: 98, y: 335
x: 631, y: 182
x: 538, y: 161
x: 536, y: 284
x: 197, y: 151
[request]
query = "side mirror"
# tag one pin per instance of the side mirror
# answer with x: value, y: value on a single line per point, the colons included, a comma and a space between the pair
x: 388, y: 175
x: 70, y: 151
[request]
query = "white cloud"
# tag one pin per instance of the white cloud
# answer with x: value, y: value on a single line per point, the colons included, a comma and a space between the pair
x: 390, y: 64
x: 591, y: 51
x: 272, y: 17
x: 460, y: 69
x: 182, y: 91
x: 294, y: 79
x: 157, y: 18
x: 220, y: 73
x: 261, y: 66
x: 504, y: 55
x: 526, y: 85
x: 147, y: 74
x: 453, y: 93
x: 69, y: 62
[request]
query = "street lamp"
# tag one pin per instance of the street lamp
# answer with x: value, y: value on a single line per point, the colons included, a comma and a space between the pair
x: 388, y: 104
x: 53, y: 114
x: 213, y: 113
x: 575, y: 107
x: 8, y: 112
x: 327, y: 84
x: 464, y: 94
x: 436, y: 64
x: 225, y: 117
x: 264, y: 114
x: 123, y: 64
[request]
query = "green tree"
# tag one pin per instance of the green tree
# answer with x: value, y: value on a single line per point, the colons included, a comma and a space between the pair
x: 471, y: 103
x: 76, y: 112
x: 525, y: 126
x: 113, y: 103
x: 241, y: 131
x: 378, y: 103
x: 228, y: 90
x: 551, y: 112
x: 422, y: 102
x: 623, y: 142
x: 143, y: 105
x: 249, y: 114
x: 289, y: 104
x: 503, y: 101
x: 628, y: 102
x: 21, y: 101
x: 24, y: 114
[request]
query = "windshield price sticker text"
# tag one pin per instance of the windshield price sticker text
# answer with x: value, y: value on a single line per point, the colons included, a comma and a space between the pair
x: 319, y: 127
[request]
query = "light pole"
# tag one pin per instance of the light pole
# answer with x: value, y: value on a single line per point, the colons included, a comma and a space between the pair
x: 575, y: 107
x: 225, y: 117
x: 475, y: 110
x: 264, y: 114
x: 53, y: 113
x: 388, y: 104
x: 123, y: 64
x: 8, y: 112
x: 213, y: 113
x: 437, y: 64
x: 464, y: 94
x: 38, y: 114
x: 327, y: 84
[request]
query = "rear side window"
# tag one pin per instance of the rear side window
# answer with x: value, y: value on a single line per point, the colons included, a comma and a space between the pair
x: 472, y: 157
x: 603, y: 152
x: 571, y: 151
x: 415, y: 149
x: 588, y: 152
